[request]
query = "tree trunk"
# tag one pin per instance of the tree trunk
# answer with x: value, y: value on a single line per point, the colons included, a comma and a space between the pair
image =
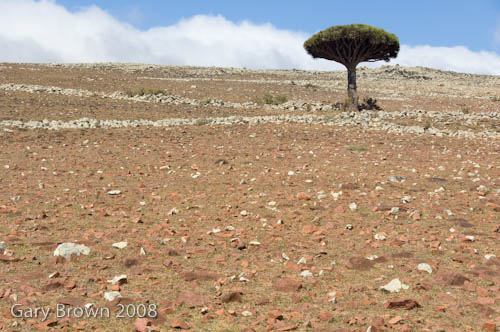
x: 352, y: 92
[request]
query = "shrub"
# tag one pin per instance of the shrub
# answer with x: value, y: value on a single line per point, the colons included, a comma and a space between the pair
x: 144, y: 91
x: 464, y: 109
x: 369, y: 104
x: 269, y: 99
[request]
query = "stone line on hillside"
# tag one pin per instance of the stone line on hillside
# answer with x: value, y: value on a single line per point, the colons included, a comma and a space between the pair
x: 164, y: 99
x: 363, y: 120
x: 324, y: 84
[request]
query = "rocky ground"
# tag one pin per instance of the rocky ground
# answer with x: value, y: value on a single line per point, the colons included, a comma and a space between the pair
x: 219, y: 199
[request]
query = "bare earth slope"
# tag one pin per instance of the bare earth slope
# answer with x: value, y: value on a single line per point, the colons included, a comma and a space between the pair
x: 242, y: 215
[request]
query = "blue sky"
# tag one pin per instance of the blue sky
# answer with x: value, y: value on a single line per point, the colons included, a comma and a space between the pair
x: 431, y: 22
x: 458, y: 35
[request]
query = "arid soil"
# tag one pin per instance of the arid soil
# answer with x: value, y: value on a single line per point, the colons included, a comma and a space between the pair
x: 241, y: 214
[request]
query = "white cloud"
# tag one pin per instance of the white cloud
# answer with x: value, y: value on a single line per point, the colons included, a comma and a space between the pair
x: 43, y: 31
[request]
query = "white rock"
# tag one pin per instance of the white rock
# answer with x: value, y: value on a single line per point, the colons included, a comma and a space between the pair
x: 254, y: 243
x: 489, y: 256
x: 230, y: 228
x: 114, y: 192
x: 379, y: 237
x: 424, y: 267
x: 244, y: 213
x: 246, y: 313
x: 3, y: 246
x: 173, y: 211
x: 353, y: 206
x: 120, y: 245
x: 291, y: 173
x: 142, y: 252
x: 67, y: 249
x: 302, y: 261
x: 470, y: 238
x: 110, y: 296
x: 214, y: 231
x: 306, y: 274
x: 336, y: 195
x: 118, y: 279
x: 372, y: 257
x: 285, y: 256
x: 394, y: 286
x: 396, y: 178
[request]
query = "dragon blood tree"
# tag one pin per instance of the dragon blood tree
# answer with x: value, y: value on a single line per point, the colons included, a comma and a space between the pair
x: 350, y: 45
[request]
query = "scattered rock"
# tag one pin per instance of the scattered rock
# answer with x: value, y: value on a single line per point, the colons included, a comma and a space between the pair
x: 359, y: 263
x: 176, y: 323
x: 114, y: 192
x: 353, y: 206
x: 191, y: 299
x: 67, y: 249
x: 120, y: 280
x: 424, y: 267
x: 454, y: 279
x: 231, y: 297
x: 396, y: 178
x: 120, y: 245
x: 200, y: 275
x: 142, y: 324
x: 394, y: 286
x: 398, y: 303
x: 111, y: 296
x: 287, y: 285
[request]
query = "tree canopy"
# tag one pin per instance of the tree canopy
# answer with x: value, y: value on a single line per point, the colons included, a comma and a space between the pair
x: 352, y: 44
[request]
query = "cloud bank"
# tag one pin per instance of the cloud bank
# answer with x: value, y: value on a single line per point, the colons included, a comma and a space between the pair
x: 43, y: 31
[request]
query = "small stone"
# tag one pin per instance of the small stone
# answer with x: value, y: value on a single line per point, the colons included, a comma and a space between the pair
x: 303, y: 196
x: 302, y: 261
x: 3, y: 246
x: 111, y: 296
x: 379, y: 236
x: 306, y: 274
x: 287, y: 285
x: 396, y: 178
x: 244, y: 213
x: 176, y: 323
x: 407, y: 304
x: 394, y: 286
x: 114, y: 192
x: 488, y: 257
x: 120, y: 280
x: 120, y: 245
x: 254, y: 243
x: 67, y: 249
x: 246, y: 313
x: 231, y: 297
x: 353, y: 207
x: 142, y: 324
x: 424, y: 267
x: 349, y: 227
x: 326, y: 316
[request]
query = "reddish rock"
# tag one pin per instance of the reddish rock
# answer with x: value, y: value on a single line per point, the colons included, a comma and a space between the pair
x: 398, y: 303
x: 191, y: 299
x: 200, y: 275
x: 359, y: 263
x: 8, y: 259
x: 287, y: 285
x: 176, y: 323
x: 303, y: 196
x: 489, y: 327
x: 72, y: 301
x: 326, y: 316
x: 141, y: 324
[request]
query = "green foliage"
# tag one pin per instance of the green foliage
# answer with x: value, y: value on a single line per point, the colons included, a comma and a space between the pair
x: 495, y: 99
x: 311, y: 86
x: 427, y: 125
x: 352, y: 44
x: 369, y: 104
x: 144, y: 92
x: 269, y: 99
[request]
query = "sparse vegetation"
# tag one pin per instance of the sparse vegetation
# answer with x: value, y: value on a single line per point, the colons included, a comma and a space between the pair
x: 269, y: 99
x: 464, y: 109
x: 358, y: 148
x: 311, y: 86
x: 144, y: 92
x: 495, y: 99
x: 369, y: 104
